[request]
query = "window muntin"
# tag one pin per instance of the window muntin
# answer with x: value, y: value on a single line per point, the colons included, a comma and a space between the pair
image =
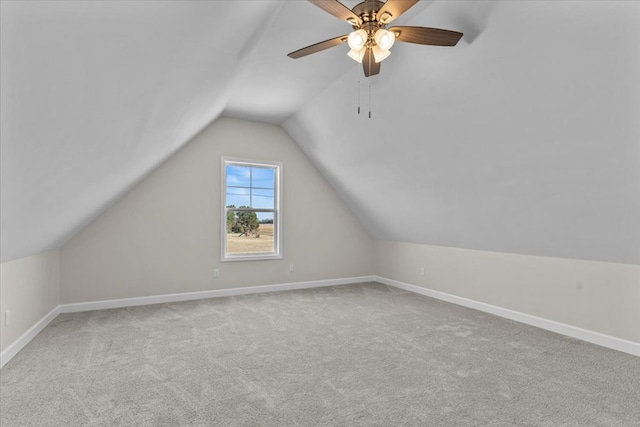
x: 251, y: 210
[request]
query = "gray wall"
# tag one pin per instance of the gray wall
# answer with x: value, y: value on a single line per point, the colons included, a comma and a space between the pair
x: 163, y: 236
x: 29, y: 289
x: 599, y: 296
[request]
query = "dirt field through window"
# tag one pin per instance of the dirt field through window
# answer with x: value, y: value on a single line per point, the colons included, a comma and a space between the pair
x: 251, y: 244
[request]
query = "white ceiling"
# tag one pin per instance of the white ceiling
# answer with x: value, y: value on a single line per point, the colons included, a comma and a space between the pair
x: 524, y: 138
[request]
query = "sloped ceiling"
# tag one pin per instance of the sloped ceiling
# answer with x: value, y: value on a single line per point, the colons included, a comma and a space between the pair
x: 524, y: 138
x: 95, y: 94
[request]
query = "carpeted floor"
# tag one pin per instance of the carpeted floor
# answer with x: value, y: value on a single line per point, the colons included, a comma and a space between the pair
x: 355, y: 355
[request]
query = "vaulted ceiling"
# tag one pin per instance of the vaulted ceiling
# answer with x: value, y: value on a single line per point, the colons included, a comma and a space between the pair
x: 524, y: 138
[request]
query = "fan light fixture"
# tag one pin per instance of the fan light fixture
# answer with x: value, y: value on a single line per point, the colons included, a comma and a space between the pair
x: 370, y: 41
x: 384, y: 39
x: 357, y: 39
x: 357, y: 55
x: 379, y: 54
x: 358, y: 43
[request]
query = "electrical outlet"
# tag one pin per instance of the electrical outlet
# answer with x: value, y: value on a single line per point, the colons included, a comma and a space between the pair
x: 7, y: 318
x: 422, y: 271
x: 291, y: 268
x: 216, y: 273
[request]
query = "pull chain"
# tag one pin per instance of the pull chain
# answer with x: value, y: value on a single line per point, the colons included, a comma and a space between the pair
x: 358, y: 96
x: 369, y: 101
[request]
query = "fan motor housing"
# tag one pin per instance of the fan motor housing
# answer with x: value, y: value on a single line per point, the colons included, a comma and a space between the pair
x: 367, y: 10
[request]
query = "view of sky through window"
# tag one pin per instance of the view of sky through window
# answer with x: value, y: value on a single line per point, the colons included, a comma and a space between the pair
x: 251, y: 186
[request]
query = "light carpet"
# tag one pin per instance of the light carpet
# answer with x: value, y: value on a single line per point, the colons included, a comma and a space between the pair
x: 354, y: 355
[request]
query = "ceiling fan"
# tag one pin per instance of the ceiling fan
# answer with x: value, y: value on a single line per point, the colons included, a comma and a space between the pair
x: 370, y: 39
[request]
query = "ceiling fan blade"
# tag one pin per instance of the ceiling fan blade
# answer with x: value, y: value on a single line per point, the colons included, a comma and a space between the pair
x: 394, y: 8
x: 371, y: 67
x: 318, y: 47
x: 338, y: 10
x: 424, y: 35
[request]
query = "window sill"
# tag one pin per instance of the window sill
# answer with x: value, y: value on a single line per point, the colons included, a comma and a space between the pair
x: 250, y: 258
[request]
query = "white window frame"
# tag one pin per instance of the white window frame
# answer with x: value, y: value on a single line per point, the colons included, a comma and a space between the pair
x: 277, y: 211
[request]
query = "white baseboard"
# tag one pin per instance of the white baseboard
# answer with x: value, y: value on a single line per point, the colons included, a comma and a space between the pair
x: 217, y: 293
x: 561, y: 328
x: 24, y: 339
x: 550, y: 325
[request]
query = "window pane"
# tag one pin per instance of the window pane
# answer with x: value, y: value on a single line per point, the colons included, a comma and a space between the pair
x: 263, y: 199
x: 250, y: 233
x: 263, y: 192
x: 250, y: 186
x: 237, y: 200
x: 238, y: 176
x: 265, y: 218
x: 262, y: 177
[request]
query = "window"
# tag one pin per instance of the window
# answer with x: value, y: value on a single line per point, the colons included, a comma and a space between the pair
x: 251, y: 210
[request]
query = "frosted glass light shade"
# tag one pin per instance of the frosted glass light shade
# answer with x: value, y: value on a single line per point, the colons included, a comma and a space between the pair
x: 357, y: 39
x: 357, y: 55
x: 379, y: 54
x: 384, y: 39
